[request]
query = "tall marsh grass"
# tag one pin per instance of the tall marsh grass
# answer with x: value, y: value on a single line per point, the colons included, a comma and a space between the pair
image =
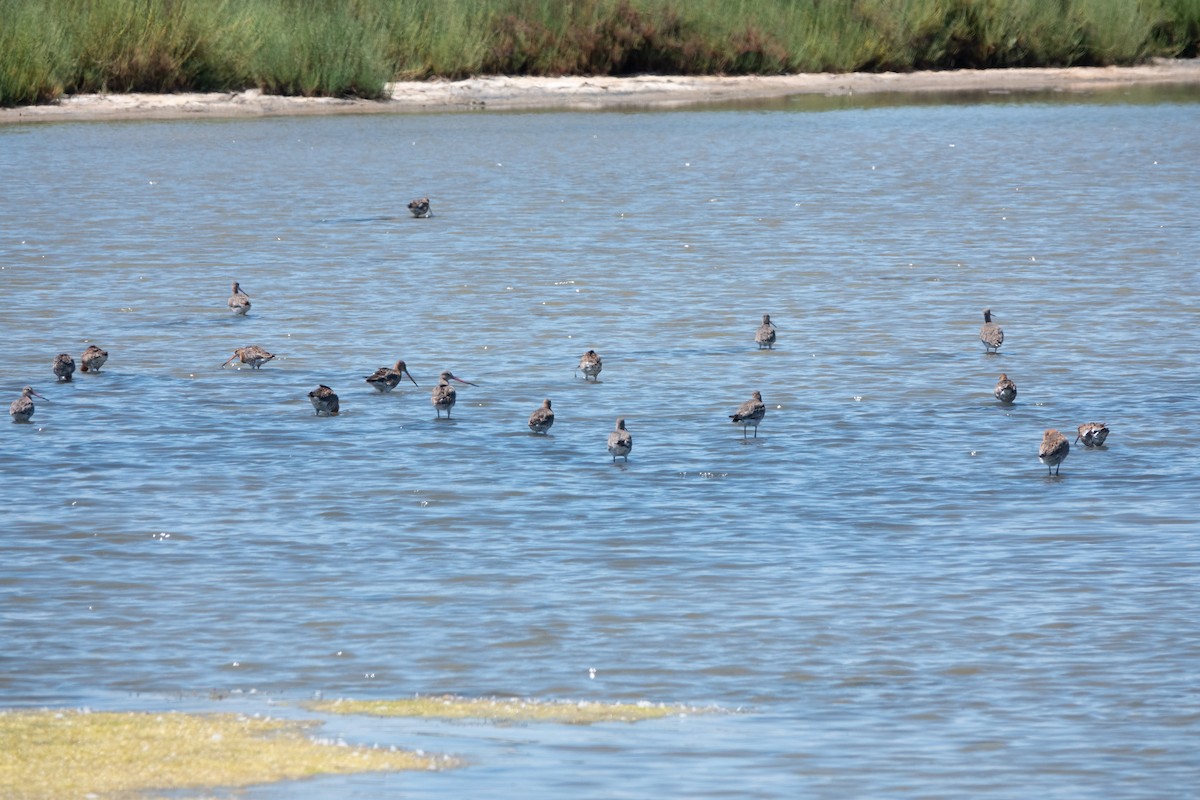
x: 355, y: 47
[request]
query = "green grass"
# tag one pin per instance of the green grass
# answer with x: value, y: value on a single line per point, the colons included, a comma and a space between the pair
x: 355, y: 47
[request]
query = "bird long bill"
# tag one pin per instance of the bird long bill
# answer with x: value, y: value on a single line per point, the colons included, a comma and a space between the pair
x: 410, y: 377
x: 460, y: 380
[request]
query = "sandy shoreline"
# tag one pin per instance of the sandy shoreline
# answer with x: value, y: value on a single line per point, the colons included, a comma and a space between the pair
x: 523, y: 93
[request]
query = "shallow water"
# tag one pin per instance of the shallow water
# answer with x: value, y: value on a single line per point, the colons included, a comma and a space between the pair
x: 885, y: 587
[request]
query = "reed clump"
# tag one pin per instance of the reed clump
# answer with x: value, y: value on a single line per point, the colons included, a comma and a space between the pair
x: 49, y: 48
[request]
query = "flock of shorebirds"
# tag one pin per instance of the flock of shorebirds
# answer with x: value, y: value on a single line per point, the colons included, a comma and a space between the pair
x: 1055, y: 446
x: 1053, y: 451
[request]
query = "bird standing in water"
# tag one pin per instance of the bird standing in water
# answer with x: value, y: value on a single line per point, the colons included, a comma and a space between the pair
x: 590, y: 364
x: 1092, y: 434
x: 64, y: 367
x: 750, y: 413
x: 444, y: 395
x: 620, y: 442
x: 324, y: 401
x: 764, y: 337
x: 420, y: 208
x: 541, y: 419
x: 1006, y: 390
x: 387, y: 378
x: 253, y: 355
x: 21, y: 409
x: 991, y: 334
x: 239, y: 301
x: 93, y: 359
x: 1054, y: 449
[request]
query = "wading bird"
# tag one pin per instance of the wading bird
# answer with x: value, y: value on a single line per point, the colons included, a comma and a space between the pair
x: 764, y: 337
x: 620, y: 442
x: 750, y: 413
x: 444, y: 395
x: 991, y: 334
x: 387, y: 378
x: 1054, y: 449
x: 93, y: 358
x: 21, y: 409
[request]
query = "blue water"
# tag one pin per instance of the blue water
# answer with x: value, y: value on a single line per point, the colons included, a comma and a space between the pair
x: 884, y: 592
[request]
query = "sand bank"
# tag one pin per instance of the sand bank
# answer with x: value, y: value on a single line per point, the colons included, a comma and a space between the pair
x: 517, y: 93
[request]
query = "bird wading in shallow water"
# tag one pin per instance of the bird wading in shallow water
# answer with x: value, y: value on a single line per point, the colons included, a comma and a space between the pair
x: 444, y: 395
x: 991, y: 334
x: 93, y: 359
x: 64, y: 367
x: 750, y: 413
x: 1006, y: 390
x: 541, y: 419
x: 253, y: 355
x: 1092, y: 434
x: 387, y: 378
x: 324, y: 401
x: 21, y: 409
x: 239, y: 301
x: 1054, y: 450
x: 764, y: 337
x: 620, y: 442
x: 420, y: 208
x: 590, y: 365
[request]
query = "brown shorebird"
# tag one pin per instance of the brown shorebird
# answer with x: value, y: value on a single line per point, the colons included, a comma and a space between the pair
x: 541, y: 419
x: 324, y: 400
x: 239, y: 301
x: 387, y: 378
x: 253, y: 355
x: 1006, y: 390
x: 620, y: 442
x: 764, y: 337
x: 444, y: 396
x: 991, y: 334
x: 93, y: 358
x: 21, y: 409
x: 1093, y: 434
x: 1054, y: 449
x: 750, y: 413
x: 420, y: 208
x: 64, y: 367
x: 590, y: 365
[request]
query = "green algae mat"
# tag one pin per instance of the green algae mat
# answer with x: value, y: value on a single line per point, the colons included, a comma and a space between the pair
x: 47, y: 755
x: 505, y: 710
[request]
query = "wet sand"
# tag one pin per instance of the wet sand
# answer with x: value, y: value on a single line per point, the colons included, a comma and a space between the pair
x: 525, y: 93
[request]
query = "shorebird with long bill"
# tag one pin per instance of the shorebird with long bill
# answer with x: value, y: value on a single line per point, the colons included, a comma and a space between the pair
x: 444, y: 395
x: 387, y: 378
x: 239, y: 301
x: 21, y: 409
x: 253, y: 355
x: 764, y: 337
x: 991, y: 334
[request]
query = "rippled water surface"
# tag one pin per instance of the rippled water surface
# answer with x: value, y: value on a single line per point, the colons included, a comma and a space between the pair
x: 885, y: 587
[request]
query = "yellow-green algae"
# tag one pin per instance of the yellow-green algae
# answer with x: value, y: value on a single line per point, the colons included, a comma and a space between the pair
x: 504, y: 710
x: 58, y: 754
